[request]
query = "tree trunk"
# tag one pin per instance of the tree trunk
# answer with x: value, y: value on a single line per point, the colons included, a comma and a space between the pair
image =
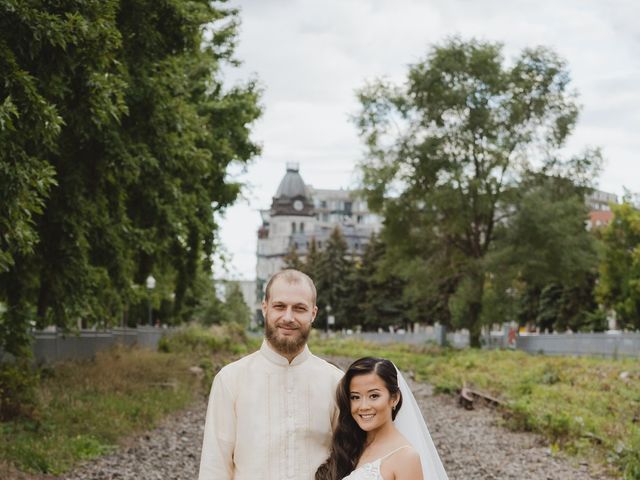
x: 43, y: 298
x: 475, y: 309
x: 14, y: 336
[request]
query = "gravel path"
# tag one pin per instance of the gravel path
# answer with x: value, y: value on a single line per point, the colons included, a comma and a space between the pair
x: 471, y: 444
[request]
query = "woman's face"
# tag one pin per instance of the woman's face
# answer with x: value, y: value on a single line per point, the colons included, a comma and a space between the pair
x: 371, y: 401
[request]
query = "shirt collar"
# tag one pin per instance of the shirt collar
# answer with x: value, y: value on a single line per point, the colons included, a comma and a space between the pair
x: 278, y: 359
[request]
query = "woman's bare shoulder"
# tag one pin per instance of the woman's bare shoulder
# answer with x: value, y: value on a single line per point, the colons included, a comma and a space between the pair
x: 406, y: 464
x: 403, y: 464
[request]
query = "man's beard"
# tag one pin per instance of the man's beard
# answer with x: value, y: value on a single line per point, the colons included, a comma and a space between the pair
x: 286, y: 345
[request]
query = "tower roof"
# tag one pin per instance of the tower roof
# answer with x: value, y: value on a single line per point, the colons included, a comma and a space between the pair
x: 292, y: 184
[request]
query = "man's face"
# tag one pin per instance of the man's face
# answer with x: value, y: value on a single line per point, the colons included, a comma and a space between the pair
x: 288, y: 315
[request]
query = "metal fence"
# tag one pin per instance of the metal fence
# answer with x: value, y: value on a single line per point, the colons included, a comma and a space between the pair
x: 51, y: 347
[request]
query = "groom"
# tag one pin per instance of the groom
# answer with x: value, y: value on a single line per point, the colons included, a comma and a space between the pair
x: 270, y: 413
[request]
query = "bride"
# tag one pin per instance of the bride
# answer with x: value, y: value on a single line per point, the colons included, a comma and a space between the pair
x: 380, y: 434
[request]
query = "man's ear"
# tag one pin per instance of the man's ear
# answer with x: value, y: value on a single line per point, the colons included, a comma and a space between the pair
x: 314, y: 312
x: 264, y: 308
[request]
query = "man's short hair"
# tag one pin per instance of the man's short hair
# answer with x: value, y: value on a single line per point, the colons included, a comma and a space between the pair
x: 291, y: 276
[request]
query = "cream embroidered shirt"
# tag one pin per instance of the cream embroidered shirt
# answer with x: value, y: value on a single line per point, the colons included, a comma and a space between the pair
x: 269, y: 419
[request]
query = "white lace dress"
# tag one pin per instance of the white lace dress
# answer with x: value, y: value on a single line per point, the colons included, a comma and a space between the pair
x: 371, y: 470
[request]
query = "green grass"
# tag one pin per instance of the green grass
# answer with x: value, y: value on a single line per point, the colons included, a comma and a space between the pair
x: 582, y: 406
x: 84, y: 409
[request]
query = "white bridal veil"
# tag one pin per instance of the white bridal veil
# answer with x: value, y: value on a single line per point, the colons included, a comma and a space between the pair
x: 411, y: 424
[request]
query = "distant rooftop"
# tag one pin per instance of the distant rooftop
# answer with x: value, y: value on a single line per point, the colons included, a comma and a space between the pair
x: 292, y: 185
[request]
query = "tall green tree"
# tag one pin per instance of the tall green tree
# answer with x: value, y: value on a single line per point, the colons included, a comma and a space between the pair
x: 332, y: 280
x: 184, y: 128
x: 562, y: 307
x: 29, y: 126
x: 446, y: 149
x: 124, y: 106
x: 619, y: 283
x: 312, y: 260
x: 545, y: 239
x: 62, y: 75
x: 545, y: 251
x: 236, y: 310
x: 382, y: 304
x: 293, y: 260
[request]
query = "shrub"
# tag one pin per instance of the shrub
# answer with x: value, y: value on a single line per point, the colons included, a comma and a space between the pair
x: 203, y: 341
x: 18, y: 390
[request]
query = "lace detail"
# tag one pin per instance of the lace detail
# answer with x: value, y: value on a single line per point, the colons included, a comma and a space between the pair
x: 368, y: 471
x: 371, y: 470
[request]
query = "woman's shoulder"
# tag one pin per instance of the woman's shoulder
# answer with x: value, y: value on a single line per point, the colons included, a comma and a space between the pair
x: 405, y: 463
x: 406, y: 453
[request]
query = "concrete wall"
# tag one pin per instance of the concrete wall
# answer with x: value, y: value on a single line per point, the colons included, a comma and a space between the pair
x: 616, y: 345
x: 51, y: 347
x: 610, y: 345
x: 436, y: 334
x: 387, y: 337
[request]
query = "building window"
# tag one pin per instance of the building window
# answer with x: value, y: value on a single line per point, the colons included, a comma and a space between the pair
x: 359, y: 219
x: 293, y: 227
x: 301, y: 227
x: 323, y: 204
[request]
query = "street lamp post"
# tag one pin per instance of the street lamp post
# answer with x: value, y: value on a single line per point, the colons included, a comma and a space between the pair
x: 330, y: 318
x: 151, y: 284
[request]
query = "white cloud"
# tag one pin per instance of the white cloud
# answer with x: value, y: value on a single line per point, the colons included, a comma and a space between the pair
x: 311, y: 56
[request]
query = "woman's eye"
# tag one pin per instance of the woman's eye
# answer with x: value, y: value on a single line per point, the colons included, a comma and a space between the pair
x: 354, y: 397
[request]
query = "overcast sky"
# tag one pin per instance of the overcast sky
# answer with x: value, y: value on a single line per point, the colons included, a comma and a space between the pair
x: 311, y: 56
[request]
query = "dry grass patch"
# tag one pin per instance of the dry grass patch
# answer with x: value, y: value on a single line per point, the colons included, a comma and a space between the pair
x: 84, y: 409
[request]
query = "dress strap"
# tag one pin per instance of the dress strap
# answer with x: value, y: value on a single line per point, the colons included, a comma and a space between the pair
x: 392, y: 452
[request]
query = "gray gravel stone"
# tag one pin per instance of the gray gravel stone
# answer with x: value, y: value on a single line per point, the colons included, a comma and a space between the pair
x: 171, y: 451
x: 471, y: 443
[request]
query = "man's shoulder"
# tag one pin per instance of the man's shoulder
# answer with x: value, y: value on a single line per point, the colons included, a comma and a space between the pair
x: 237, y: 365
x: 327, y: 367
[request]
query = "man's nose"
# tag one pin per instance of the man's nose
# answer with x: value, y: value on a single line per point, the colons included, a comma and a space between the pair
x: 288, y: 314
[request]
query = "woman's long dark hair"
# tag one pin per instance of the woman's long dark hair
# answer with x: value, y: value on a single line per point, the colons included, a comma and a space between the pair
x: 348, y: 438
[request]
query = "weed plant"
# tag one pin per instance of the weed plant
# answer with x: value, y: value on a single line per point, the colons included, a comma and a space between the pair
x: 84, y: 409
x: 583, y: 406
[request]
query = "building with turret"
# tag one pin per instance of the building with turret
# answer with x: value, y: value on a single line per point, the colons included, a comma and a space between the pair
x: 300, y: 213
